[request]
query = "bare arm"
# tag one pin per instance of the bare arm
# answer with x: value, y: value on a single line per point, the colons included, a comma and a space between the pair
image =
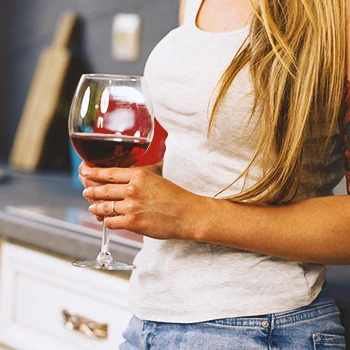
x: 315, y: 230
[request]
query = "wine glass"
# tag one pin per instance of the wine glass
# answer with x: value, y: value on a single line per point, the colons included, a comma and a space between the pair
x: 110, y: 125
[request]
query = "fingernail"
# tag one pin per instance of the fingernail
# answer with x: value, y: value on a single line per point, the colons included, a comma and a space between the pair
x: 92, y: 208
x: 86, y: 192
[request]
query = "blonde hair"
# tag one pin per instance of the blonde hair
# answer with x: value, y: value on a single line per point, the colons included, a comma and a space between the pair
x: 296, y: 57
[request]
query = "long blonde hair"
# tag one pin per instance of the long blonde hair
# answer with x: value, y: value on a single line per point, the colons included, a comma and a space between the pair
x: 296, y: 57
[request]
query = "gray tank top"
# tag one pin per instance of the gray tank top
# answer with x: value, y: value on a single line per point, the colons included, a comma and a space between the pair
x: 180, y: 281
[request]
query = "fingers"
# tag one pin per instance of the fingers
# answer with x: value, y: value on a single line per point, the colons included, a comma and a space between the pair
x: 89, y: 183
x: 105, y: 175
x: 119, y: 187
x: 105, y: 192
x: 107, y: 208
x: 99, y: 218
x: 113, y: 219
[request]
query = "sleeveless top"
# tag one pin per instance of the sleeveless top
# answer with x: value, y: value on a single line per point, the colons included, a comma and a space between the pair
x: 186, y: 281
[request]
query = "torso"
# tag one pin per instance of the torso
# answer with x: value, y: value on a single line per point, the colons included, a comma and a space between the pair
x: 185, y: 281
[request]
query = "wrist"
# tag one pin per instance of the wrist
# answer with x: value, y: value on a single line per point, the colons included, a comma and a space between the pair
x: 230, y: 224
x: 206, y: 216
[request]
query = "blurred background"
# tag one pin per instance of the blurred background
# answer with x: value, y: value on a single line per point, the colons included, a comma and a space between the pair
x: 28, y: 27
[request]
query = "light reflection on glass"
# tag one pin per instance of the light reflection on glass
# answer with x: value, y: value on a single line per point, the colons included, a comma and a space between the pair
x: 100, y: 122
x: 85, y: 103
x: 104, y: 100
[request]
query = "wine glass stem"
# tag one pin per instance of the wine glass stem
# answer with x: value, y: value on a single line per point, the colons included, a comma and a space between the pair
x: 105, y: 239
x: 105, y: 255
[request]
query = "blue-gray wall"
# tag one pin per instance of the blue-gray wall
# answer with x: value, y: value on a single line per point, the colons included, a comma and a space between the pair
x: 27, y: 27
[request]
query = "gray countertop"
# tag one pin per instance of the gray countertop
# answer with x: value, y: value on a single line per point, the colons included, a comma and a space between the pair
x: 49, y: 190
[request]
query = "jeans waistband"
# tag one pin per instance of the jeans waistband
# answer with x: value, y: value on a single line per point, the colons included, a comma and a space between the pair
x: 306, y: 313
x: 322, y: 306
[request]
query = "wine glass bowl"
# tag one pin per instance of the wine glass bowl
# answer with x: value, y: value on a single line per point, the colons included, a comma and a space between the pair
x: 111, y: 120
x: 110, y: 124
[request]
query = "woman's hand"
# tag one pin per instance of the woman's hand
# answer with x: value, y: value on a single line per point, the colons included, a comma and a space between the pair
x: 138, y: 200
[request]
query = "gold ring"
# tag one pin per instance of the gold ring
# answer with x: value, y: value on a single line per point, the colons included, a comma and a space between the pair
x: 113, y: 208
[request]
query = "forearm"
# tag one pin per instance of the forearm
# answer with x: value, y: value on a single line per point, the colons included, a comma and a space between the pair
x: 315, y: 230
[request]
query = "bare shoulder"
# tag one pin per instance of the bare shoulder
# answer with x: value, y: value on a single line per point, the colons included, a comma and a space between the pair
x: 182, y: 11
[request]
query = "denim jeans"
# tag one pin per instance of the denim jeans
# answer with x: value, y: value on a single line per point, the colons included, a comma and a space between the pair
x: 315, y: 327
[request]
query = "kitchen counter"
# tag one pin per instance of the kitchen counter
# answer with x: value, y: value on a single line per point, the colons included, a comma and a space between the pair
x: 49, y: 190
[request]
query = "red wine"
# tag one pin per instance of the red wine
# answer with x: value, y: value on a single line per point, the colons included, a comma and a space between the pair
x: 103, y: 150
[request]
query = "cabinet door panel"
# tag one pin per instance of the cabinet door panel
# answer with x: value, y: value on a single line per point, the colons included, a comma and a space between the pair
x: 48, y: 303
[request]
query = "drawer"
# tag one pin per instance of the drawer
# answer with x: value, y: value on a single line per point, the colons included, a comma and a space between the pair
x: 46, y: 303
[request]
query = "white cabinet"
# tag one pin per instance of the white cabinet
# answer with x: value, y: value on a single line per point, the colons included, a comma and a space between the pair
x: 46, y: 303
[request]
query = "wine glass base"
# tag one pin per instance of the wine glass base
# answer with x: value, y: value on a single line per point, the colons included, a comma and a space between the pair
x: 109, y: 266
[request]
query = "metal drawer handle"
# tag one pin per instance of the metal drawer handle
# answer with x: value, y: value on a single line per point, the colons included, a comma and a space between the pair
x: 87, y: 327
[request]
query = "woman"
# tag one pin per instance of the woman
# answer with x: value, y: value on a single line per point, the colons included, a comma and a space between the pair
x: 238, y: 228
